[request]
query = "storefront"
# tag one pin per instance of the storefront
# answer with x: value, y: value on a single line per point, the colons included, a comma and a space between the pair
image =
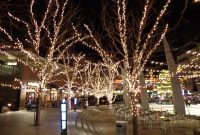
x: 50, y: 96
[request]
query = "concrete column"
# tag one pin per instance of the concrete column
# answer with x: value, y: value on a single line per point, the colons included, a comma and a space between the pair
x: 27, y: 75
x: 127, y: 99
x: 143, y: 94
x: 22, y: 98
x: 178, y: 100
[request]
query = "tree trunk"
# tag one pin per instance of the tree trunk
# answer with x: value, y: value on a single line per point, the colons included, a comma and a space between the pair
x: 126, y: 99
x: 143, y: 96
x: 38, y: 110
x: 97, y: 101
x: 134, y: 114
x: 178, y: 100
x: 22, y: 98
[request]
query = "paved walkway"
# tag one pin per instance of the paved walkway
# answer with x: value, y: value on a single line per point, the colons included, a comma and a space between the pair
x: 104, y: 123
x: 21, y: 123
x: 93, y: 121
x: 193, y: 109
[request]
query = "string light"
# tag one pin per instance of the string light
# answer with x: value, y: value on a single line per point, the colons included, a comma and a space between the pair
x: 157, y: 63
x: 44, y: 69
x: 131, y: 67
x: 193, y: 57
x: 2, y: 47
x: 9, y: 85
x: 12, y: 85
x: 94, y: 82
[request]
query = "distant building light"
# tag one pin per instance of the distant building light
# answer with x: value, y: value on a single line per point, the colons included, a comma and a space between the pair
x: 12, y: 63
x: 75, y: 101
x: 9, y: 105
x: 118, y: 91
x: 196, y: 0
x: 63, y: 100
x: 118, y: 81
x: 33, y: 84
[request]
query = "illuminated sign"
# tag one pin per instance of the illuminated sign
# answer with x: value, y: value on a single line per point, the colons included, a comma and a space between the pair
x: 75, y: 101
x: 12, y: 63
x: 63, y: 107
x: 33, y: 84
x: 118, y: 81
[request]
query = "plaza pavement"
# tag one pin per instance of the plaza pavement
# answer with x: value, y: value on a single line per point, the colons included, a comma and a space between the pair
x: 92, y: 121
x: 103, y: 123
x: 193, y: 109
x: 21, y: 123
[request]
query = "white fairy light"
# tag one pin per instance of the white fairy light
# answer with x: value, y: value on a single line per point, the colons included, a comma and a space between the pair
x: 72, y: 74
x: 133, y: 63
x: 44, y: 68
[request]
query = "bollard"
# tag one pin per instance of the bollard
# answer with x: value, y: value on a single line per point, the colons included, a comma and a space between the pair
x: 63, y: 116
x: 121, y: 128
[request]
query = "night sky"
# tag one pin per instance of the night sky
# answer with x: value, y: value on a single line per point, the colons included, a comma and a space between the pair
x: 186, y: 30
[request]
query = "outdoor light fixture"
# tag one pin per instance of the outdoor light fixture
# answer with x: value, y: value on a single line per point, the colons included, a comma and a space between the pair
x: 63, y: 115
x: 12, y: 63
x: 33, y: 84
x: 75, y: 101
x: 9, y: 105
x: 196, y: 0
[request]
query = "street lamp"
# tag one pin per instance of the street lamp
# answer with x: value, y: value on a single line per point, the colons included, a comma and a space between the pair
x: 63, y: 114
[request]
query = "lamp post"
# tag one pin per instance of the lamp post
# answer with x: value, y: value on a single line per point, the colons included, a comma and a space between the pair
x: 63, y: 116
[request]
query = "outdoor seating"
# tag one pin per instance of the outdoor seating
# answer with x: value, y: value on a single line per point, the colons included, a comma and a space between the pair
x: 165, y: 123
x: 143, y: 120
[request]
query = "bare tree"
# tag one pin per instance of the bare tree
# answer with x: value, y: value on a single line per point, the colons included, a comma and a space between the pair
x: 86, y: 78
x: 72, y: 72
x: 44, y: 37
x: 110, y: 73
x: 132, y: 38
x: 97, y: 82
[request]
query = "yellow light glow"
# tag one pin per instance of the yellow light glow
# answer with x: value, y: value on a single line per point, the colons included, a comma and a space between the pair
x: 12, y: 63
x: 33, y: 84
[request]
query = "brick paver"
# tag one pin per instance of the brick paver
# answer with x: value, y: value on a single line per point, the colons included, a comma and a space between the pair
x: 93, y: 121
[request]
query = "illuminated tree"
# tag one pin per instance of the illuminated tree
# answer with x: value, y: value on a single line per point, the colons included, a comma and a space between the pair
x: 131, y: 39
x: 164, y: 85
x: 46, y: 40
x: 72, y: 73
x: 110, y: 73
x: 86, y: 78
x: 97, y: 82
